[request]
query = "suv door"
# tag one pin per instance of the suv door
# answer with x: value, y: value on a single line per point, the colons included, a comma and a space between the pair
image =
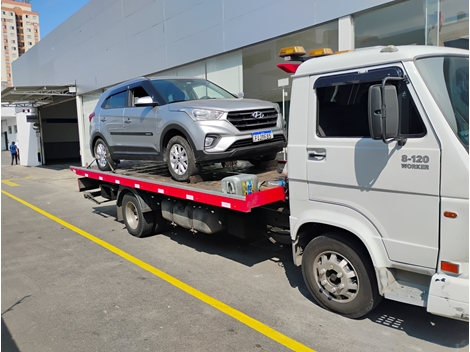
x: 111, y: 119
x: 396, y: 188
x: 140, y: 124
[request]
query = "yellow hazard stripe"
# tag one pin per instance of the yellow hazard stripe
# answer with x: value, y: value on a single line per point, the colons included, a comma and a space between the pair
x: 9, y: 183
x: 234, y: 313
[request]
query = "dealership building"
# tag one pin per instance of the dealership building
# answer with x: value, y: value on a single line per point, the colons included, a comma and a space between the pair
x: 234, y: 44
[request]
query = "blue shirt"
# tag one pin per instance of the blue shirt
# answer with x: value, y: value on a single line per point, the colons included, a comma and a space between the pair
x: 13, y: 148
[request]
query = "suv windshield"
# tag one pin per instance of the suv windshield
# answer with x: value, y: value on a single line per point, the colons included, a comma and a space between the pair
x: 174, y: 90
x: 447, y: 79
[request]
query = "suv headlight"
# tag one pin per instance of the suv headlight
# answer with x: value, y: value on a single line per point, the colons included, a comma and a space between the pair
x: 204, y: 114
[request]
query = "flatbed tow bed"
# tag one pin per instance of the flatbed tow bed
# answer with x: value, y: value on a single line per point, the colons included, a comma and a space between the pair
x: 153, y: 177
x: 148, y: 199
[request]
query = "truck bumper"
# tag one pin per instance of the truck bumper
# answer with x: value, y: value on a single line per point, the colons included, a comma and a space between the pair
x: 448, y: 297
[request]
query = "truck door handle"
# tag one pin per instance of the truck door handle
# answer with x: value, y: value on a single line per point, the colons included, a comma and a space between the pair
x: 128, y: 120
x: 103, y: 119
x: 317, y: 154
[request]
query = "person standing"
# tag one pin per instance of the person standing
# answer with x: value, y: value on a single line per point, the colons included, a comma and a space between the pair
x: 14, y: 152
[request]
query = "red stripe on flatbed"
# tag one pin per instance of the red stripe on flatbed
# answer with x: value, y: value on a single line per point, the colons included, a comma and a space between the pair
x: 234, y: 202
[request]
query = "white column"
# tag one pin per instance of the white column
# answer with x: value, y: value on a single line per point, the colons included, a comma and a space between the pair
x: 27, y: 141
x: 346, y: 33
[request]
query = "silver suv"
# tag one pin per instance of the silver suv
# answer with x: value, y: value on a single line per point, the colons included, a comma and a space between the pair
x: 187, y: 122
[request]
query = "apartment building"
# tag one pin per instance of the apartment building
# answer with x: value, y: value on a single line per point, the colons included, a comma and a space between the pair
x: 20, y: 28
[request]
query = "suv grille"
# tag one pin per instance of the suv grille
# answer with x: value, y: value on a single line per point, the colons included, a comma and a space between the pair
x: 244, y: 120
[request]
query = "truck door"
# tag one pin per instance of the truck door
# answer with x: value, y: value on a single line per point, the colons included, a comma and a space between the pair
x: 396, y: 188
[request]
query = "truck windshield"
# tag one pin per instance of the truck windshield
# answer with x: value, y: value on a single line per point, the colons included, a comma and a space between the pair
x: 447, y: 79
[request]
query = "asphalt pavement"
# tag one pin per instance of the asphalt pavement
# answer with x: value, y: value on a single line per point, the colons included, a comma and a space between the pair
x: 73, y: 279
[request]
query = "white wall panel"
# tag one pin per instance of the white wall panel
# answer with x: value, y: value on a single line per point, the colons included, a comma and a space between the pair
x: 131, y: 7
x: 194, y: 21
x: 265, y: 19
x: 195, y: 46
x: 226, y: 71
x: 196, y: 69
x: 143, y: 19
x: 174, y: 8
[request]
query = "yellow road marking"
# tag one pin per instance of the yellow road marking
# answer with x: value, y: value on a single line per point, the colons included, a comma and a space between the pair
x: 9, y: 183
x: 224, y: 308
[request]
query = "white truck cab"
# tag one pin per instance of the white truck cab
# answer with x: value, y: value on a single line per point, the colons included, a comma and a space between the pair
x: 379, y: 177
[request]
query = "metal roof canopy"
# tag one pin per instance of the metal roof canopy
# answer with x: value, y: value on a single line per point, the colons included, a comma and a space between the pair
x: 36, y: 95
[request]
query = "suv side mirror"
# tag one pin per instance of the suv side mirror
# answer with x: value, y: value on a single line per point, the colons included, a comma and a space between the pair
x: 384, y: 116
x: 145, y: 101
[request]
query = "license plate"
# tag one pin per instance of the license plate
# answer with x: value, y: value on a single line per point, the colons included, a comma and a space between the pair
x: 262, y: 136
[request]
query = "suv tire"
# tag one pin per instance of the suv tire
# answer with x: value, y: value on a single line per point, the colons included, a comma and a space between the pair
x: 103, y: 156
x: 180, y: 159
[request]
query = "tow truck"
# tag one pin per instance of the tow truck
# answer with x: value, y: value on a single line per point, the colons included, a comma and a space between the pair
x: 374, y: 197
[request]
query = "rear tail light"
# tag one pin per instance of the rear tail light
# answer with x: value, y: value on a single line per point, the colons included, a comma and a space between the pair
x: 91, y: 116
x: 450, y: 267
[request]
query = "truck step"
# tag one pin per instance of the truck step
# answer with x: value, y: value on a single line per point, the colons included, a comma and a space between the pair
x: 407, y: 292
x: 92, y: 196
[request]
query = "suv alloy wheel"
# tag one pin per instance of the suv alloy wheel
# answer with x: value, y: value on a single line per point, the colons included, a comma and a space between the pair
x: 103, y: 156
x: 180, y: 159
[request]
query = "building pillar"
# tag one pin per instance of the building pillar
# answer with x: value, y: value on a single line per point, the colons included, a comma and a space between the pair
x: 346, y: 33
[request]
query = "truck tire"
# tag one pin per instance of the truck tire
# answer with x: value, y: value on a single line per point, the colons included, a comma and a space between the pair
x: 180, y: 159
x: 103, y: 156
x: 338, y: 278
x: 138, y: 224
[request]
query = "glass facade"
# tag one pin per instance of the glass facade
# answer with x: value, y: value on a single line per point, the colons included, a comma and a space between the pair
x: 398, y: 24
x: 420, y: 22
x: 260, y: 73
x: 447, y: 23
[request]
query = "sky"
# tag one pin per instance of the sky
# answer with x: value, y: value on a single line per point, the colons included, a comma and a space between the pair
x: 53, y: 12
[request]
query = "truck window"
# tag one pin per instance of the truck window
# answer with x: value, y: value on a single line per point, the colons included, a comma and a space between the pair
x: 342, y: 110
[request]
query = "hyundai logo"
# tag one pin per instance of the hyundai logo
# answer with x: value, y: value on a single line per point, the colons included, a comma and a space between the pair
x: 257, y: 115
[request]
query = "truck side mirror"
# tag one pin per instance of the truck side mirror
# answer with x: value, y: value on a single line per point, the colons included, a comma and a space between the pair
x: 145, y: 101
x: 384, y: 117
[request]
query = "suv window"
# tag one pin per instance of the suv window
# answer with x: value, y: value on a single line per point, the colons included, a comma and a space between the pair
x: 179, y: 89
x: 342, y: 110
x: 203, y: 91
x: 118, y: 100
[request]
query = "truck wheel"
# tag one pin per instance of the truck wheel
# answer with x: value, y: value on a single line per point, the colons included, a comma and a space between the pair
x: 103, y: 156
x: 180, y: 159
x: 337, y: 277
x: 138, y: 224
